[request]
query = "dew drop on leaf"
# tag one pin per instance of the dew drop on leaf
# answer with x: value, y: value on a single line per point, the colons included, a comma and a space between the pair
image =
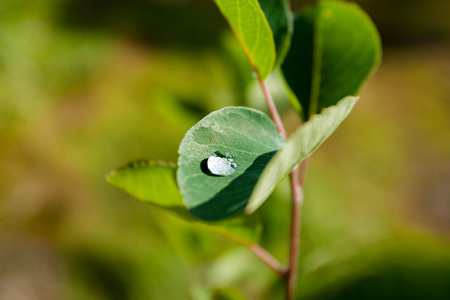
x: 221, y: 165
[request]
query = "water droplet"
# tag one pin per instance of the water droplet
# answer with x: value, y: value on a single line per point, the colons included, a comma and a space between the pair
x: 221, y: 165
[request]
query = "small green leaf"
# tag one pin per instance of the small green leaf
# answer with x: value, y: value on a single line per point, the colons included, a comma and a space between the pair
x: 334, y: 49
x: 238, y: 135
x: 279, y: 16
x: 299, y: 146
x: 253, y: 32
x: 155, y: 183
x: 149, y: 182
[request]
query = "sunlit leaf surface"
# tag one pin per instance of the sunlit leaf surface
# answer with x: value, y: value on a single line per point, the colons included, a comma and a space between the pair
x: 245, y: 136
x: 252, y: 30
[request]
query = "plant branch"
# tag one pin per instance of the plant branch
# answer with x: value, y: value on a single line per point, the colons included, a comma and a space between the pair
x: 303, y: 169
x: 266, y: 257
x: 271, y: 105
x: 297, y: 199
x: 297, y: 181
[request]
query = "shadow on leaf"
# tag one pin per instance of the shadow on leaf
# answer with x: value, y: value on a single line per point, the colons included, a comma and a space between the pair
x: 235, y: 196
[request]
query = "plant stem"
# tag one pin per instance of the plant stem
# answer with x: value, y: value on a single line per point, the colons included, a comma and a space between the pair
x: 266, y: 257
x: 303, y: 169
x: 297, y: 197
x: 297, y: 181
x: 297, y: 202
x: 271, y: 105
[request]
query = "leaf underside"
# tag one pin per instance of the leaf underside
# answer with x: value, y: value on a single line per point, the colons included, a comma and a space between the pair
x: 300, y: 145
x: 253, y: 32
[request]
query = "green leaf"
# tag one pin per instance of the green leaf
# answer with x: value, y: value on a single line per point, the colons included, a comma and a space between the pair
x: 253, y: 32
x: 151, y: 182
x: 280, y: 19
x: 155, y: 183
x: 334, y: 49
x: 299, y: 146
x: 243, y: 134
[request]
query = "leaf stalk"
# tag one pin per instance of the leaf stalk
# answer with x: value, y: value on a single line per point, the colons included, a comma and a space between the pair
x: 266, y: 257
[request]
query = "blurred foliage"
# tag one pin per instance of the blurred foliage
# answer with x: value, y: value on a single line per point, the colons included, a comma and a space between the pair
x: 89, y: 85
x: 158, y: 21
x: 405, y: 22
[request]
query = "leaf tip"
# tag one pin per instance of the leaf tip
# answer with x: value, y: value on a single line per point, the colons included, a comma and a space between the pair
x: 248, y: 210
x: 256, y: 200
x: 136, y: 164
x: 352, y: 99
x: 109, y: 175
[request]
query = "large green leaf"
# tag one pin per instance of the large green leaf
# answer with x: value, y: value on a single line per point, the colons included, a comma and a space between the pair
x: 299, y: 146
x: 280, y: 19
x: 155, y: 183
x: 253, y: 32
x: 243, y: 134
x: 334, y: 49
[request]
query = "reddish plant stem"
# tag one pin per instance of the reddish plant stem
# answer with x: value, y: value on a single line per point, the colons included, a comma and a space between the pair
x: 297, y: 181
x: 271, y: 105
x: 297, y: 199
x: 297, y: 202
x: 266, y: 257
x: 303, y: 169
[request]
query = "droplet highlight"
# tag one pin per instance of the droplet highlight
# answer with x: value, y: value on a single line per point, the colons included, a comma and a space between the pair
x: 221, y: 165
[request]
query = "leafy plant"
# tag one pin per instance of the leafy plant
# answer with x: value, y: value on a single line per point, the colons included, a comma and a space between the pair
x: 231, y: 161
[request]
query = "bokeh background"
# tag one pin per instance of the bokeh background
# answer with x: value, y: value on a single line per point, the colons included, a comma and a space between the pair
x: 87, y: 86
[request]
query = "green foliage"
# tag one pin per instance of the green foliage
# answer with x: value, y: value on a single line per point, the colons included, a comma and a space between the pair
x: 227, y: 161
x: 155, y: 183
x: 253, y: 32
x: 247, y: 136
x: 280, y: 20
x: 150, y: 182
x: 235, y: 157
x: 335, y: 47
x: 299, y: 146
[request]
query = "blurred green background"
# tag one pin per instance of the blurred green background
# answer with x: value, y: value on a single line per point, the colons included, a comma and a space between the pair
x: 87, y: 86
